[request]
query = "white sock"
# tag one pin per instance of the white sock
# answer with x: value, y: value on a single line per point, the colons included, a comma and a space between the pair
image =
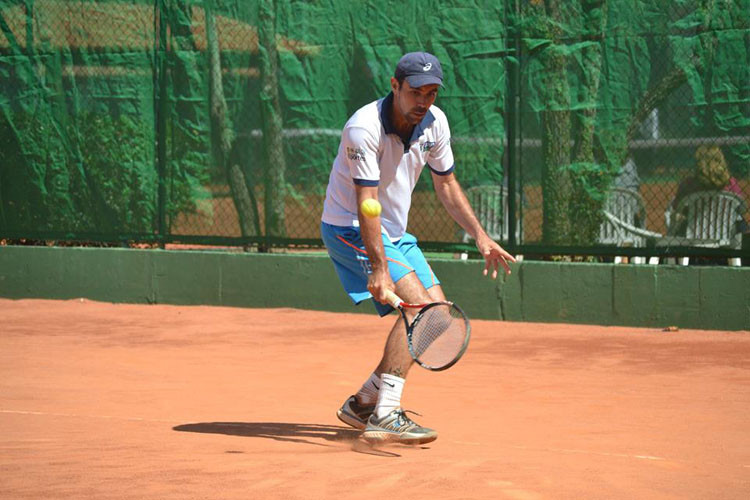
x: 368, y: 393
x: 389, y: 397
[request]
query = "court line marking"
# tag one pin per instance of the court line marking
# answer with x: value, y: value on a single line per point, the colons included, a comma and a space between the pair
x: 590, y: 452
x: 621, y: 455
x: 142, y: 419
x: 73, y: 415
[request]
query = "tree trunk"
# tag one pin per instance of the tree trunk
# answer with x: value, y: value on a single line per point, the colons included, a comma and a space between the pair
x: 221, y: 131
x: 556, y: 185
x: 591, y: 64
x: 592, y: 181
x: 653, y: 97
x: 674, y: 79
x: 275, y: 164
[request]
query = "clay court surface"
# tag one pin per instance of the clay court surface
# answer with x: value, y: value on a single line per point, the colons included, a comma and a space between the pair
x: 142, y: 401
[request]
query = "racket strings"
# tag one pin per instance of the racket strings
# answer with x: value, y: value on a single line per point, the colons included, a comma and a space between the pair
x: 439, y: 335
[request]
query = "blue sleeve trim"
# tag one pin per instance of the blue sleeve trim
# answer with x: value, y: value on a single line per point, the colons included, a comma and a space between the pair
x: 365, y: 182
x: 445, y: 172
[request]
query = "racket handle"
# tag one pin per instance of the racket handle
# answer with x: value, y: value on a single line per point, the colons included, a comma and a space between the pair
x: 393, y: 299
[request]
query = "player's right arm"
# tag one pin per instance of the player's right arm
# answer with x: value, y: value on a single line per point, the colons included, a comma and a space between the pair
x: 379, y: 281
x: 361, y: 147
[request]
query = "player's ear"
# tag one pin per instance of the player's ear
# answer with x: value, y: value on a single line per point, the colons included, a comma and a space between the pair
x: 394, y: 84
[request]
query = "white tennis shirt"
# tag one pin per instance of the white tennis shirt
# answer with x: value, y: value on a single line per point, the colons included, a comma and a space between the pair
x: 371, y: 153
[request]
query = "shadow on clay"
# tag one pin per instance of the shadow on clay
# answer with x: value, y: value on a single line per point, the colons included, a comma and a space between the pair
x: 314, y: 434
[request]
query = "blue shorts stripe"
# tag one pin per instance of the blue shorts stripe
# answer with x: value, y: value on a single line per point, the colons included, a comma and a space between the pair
x: 347, y: 251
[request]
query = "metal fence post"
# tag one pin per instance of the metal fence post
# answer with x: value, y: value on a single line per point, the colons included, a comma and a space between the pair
x: 160, y: 116
x: 512, y: 120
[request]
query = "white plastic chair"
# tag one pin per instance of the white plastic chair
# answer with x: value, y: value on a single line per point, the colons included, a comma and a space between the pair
x: 710, y: 220
x: 624, y: 212
x: 490, y: 204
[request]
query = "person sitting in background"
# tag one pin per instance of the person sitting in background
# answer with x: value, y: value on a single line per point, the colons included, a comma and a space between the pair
x: 628, y: 177
x: 711, y: 174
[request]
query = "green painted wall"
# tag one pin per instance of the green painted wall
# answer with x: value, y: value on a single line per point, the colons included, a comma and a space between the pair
x: 656, y: 296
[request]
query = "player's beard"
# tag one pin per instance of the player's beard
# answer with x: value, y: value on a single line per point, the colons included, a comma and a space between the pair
x: 416, y: 115
x: 413, y: 115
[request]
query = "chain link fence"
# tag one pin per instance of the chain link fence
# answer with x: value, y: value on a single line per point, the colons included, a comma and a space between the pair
x: 634, y: 125
x: 583, y: 127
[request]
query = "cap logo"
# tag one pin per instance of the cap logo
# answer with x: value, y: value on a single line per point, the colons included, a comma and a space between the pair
x: 427, y: 67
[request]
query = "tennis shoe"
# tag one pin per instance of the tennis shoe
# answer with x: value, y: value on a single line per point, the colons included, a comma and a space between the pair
x: 397, y: 427
x: 355, y: 414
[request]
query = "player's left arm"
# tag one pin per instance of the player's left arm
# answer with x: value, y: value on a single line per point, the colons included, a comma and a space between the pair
x: 454, y: 200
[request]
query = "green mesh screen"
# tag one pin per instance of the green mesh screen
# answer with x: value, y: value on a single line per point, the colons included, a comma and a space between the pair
x: 619, y: 102
x: 218, y: 121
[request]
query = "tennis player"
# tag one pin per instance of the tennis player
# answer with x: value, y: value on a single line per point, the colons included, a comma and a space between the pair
x: 384, y: 147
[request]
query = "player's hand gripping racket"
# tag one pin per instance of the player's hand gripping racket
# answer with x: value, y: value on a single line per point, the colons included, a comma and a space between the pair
x: 439, y: 334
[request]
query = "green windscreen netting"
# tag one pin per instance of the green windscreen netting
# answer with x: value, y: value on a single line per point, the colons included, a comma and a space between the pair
x: 622, y: 104
x: 218, y: 121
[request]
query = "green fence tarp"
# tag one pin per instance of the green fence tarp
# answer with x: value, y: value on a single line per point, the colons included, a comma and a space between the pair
x: 177, y: 119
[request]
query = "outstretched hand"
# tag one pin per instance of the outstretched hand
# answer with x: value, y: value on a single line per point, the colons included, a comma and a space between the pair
x: 494, y: 256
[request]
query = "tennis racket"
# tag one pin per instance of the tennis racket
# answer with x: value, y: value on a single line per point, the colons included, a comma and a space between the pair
x: 439, y: 334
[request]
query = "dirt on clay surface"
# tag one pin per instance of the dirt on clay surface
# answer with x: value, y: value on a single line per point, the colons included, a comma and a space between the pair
x: 120, y: 401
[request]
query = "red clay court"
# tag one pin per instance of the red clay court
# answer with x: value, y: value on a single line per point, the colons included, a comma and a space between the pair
x: 121, y: 401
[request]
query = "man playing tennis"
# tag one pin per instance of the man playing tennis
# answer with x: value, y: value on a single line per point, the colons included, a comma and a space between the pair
x: 384, y: 147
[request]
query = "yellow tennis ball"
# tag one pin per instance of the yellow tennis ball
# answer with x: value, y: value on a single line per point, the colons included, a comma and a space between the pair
x: 371, y: 207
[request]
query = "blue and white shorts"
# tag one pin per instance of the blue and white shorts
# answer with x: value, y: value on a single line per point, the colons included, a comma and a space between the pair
x: 347, y: 250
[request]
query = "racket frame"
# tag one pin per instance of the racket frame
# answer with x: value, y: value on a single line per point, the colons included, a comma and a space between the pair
x: 395, y: 301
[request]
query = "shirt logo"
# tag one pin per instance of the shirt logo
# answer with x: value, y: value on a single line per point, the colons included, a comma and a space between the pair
x: 427, y: 67
x: 355, y: 154
x: 426, y: 146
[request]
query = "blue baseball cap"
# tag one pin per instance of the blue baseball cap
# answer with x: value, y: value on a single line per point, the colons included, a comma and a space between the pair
x: 419, y: 68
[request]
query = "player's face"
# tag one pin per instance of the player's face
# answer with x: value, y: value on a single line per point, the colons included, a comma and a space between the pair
x: 412, y: 103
